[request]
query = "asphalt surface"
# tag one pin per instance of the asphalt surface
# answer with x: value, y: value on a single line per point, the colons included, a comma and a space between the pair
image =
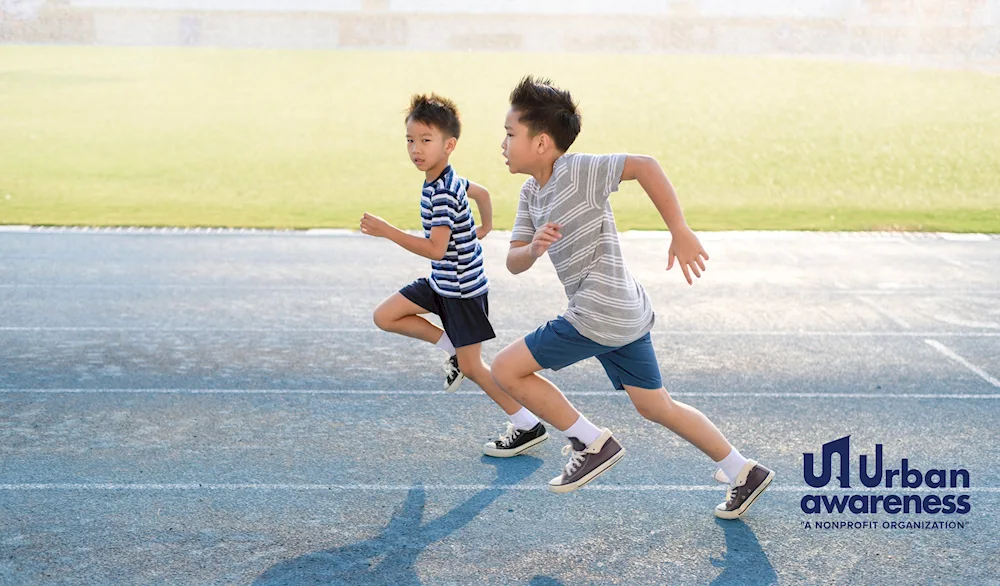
x: 219, y: 408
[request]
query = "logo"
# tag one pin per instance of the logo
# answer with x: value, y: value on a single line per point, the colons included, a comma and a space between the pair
x: 935, y: 491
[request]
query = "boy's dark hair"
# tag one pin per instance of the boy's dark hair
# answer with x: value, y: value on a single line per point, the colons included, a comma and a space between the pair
x: 546, y: 108
x: 436, y: 111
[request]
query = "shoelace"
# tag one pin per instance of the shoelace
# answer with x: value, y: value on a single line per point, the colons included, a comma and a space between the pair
x: 721, y: 478
x: 574, y: 461
x: 508, y: 437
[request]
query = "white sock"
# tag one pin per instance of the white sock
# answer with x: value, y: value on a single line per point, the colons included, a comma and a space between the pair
x: 523, y: 419
x: 732, y: 464
x: 445, y: 344
x: 584, y: 431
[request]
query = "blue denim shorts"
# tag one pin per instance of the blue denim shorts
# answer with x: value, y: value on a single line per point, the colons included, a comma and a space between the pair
x: 558, y: 344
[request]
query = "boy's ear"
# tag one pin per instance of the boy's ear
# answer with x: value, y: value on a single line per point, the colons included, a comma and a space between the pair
x: 543, y: 142
x: 450, y: 145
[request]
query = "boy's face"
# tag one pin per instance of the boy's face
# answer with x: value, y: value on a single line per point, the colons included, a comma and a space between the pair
x: 520, y: 148
x: 427, y: 145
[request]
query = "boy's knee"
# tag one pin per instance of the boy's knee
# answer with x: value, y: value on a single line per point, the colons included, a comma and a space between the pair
x: 472, y: 368
x: 650, y: 412
x: 500, y: 371
x: 656, y: 408
x: 382, y: 319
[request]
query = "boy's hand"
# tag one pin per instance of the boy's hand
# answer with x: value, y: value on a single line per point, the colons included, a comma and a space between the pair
x: 374, y: 226
x: 688, y: 252
x: 544, y: 238
x: 482, y: 231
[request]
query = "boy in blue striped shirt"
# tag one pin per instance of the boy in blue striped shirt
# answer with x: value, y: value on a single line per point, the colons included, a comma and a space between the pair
x: 457, y: 289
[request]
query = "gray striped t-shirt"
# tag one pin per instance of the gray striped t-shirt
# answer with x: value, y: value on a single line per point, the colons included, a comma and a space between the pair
x: 606, y: 304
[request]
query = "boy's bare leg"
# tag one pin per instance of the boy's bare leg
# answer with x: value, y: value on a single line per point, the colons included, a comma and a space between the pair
x: 747, y: 478
x: 515, y: 371
x: 657, y: 406
x: 470, y: 360
x: 524, y: 430
x: 399, y: 315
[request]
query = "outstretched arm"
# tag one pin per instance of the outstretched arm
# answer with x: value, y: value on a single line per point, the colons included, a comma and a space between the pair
x: 433, y: 248
x: 684, y: 245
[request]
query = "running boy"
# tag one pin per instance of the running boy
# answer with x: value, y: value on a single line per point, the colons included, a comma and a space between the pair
x: 457, y: 288
x: 564, y: 210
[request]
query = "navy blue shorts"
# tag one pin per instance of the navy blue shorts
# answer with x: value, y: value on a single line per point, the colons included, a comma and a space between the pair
x: 466, y: 321
x: 558, y: 344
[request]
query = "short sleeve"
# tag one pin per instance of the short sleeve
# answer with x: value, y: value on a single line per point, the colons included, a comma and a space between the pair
x: 524, y: 226
x: 444, y: 209
x: 600, y: 175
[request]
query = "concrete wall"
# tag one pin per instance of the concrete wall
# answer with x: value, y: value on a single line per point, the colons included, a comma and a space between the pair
x: 964, y: 29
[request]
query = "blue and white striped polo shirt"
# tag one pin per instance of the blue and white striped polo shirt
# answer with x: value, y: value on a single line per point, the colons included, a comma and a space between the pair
x: 443, y: 202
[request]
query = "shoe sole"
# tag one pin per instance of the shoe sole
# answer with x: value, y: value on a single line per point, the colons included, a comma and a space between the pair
x: 454, y: 386
x: 564, y: 488
x: 495, y: 453
x: 736, y: 514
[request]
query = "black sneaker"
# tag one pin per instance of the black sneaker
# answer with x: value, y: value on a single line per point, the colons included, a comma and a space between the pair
x: 587, y: 462
x: 515, y: 441
x: 453, y: 377
x: 751, y: 481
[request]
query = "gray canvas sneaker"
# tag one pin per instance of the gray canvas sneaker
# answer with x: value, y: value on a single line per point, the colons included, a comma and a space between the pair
x: 751, y: 481
x: 587, y: 462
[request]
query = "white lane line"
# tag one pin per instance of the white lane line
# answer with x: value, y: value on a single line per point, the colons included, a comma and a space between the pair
x: 334, y: 288
x: 838, y: 288
x: 957, y: 321
x: 975, y: 369
x: 885, y: 313
x: 729, y: 235
x: 505, y: 331
x: 193, y: 486
x: 419, y: 392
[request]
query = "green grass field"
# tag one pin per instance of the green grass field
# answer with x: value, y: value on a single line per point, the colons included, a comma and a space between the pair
x: 202, y: 137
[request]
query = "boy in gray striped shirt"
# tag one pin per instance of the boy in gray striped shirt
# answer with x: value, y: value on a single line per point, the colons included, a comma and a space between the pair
x: 564, y: 210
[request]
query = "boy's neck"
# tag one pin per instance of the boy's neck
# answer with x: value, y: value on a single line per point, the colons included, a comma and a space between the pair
x: 434, y: 172
x: 543, y: 173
